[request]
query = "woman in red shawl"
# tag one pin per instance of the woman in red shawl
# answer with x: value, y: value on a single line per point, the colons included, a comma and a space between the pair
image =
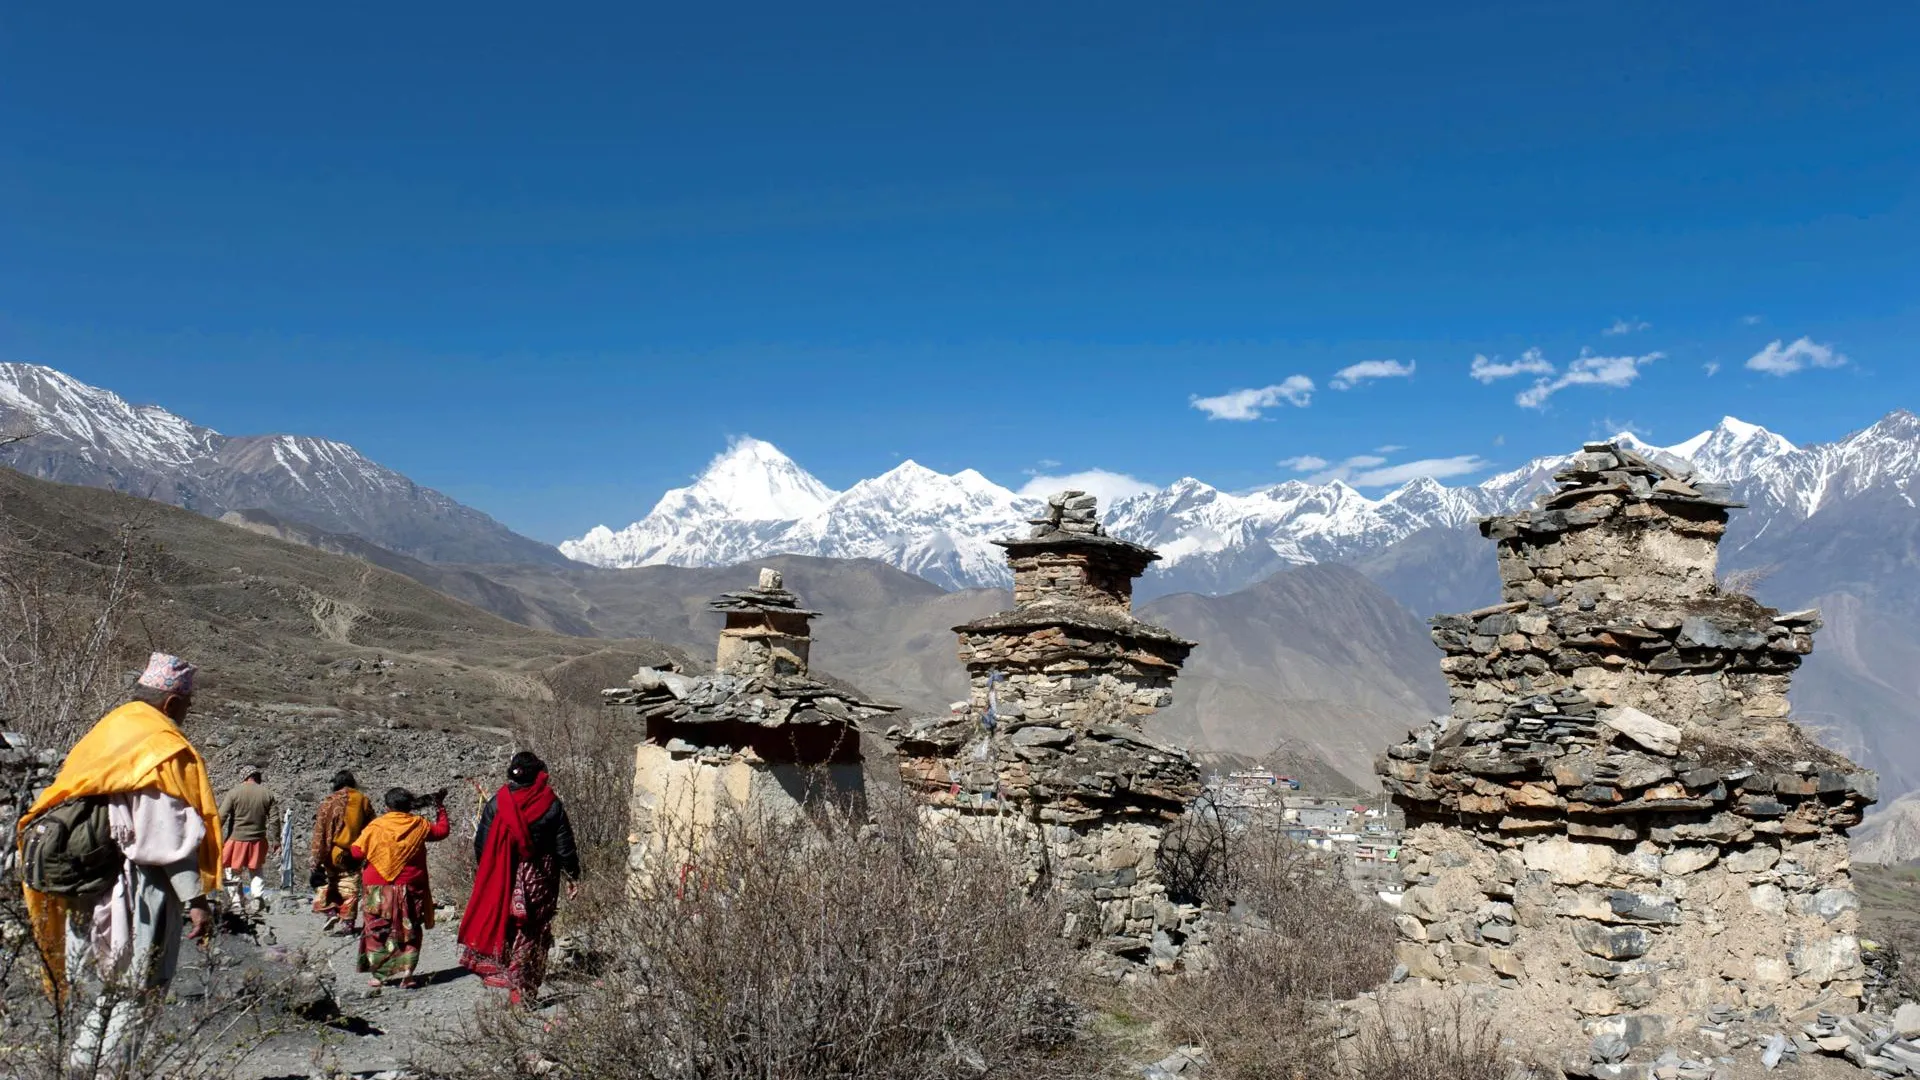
x: 523, y: 845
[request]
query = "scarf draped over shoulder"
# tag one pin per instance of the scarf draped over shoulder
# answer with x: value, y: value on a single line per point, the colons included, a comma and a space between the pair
x: 391, y: 840
x: 509, y: 841
x: 133, y: 748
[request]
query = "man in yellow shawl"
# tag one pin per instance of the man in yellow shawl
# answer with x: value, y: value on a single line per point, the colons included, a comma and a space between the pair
x: 124, y: 943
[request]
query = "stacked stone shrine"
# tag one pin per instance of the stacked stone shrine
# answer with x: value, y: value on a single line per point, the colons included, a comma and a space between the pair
x: 1619, y: 818
x: 757, y: 736
x: 1049, y: 747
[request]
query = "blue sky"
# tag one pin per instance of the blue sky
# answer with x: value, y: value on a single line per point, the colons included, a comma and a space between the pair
x: 550, y: 260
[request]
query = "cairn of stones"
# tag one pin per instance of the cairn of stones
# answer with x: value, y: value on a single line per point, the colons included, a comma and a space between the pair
x: 1049, y: 750
x: 1620, y: 817
x: 756, y: 735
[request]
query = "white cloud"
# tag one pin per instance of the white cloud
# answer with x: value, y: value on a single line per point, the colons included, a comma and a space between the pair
x: 1435, y: 468
x: 1372, y: 470
x: 1613, y: 371
x: 1776, y: 359
x: 1354, y: 374
x: 1751, y: 320
x: 1531, y: 362
x: 1626, y: 326
x: 1712, y: 368
x: 1296, y: 390
x: 1390, y: 448
x: 1109, y: 487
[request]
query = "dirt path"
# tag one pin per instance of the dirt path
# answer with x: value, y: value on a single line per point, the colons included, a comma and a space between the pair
x: 380, y: 1031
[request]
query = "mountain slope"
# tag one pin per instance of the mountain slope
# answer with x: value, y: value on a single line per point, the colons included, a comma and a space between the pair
x: 285, y: 625
x: 1318, y: 656
x: 91, y: 436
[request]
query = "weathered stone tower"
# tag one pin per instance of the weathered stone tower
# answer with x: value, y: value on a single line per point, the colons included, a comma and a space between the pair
x: 1619, y: 817
x: 767, y: 631
x: 756, y: 735
x: 1051, y: 747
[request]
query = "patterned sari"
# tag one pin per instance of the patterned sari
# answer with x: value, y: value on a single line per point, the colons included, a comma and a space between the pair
x: 393, y: 922
x: 520, y: 964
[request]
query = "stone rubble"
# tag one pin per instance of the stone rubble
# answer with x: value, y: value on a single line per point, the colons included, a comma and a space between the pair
x: 1618, y: 818
x: 1049, y: 750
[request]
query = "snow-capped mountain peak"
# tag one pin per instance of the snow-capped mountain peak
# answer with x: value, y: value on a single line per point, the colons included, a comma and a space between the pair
x: 1731, y: 449
x: 87, y: 435
x: 941, y: 525
x: 753, y: 481
x: 100, y: 422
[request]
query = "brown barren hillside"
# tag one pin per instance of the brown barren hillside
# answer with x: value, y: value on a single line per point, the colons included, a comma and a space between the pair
x: 309, y: 660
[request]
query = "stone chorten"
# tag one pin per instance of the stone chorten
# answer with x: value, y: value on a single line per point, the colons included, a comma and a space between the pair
x: 758, y: 732
x: 767, y: 631
x: 1619, y: 818
x: 1071, y: 650
x: 1050, y: 744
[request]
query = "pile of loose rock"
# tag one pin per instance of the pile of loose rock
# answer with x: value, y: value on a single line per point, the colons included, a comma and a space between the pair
x: 1073, y: 512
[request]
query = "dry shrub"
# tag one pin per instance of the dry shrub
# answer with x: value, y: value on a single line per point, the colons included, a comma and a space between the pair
x: 589, y: 756
x: 1294, y: 936
x: 1744, y: 581
x: 1428, y: 1042
x: 820, y: 947
x: 63, y: 642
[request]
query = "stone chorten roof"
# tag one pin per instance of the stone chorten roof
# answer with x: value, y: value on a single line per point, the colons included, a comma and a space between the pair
x: 770, y: 597
x: 1073, y: 520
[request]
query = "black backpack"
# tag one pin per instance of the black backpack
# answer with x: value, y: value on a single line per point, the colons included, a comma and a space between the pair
x: 70, y: 850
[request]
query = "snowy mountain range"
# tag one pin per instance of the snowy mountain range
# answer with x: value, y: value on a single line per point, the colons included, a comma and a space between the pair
x: 86, y: 435
x: 753, y: 501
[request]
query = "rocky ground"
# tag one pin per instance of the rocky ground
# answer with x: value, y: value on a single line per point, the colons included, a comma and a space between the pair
x: 369, y: 1032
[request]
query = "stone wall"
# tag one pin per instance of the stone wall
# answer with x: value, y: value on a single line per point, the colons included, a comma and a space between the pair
x: 1619, y: 818
x: 680, y: 793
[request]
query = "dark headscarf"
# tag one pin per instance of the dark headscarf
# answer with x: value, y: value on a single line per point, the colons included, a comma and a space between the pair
x: 524, y: 767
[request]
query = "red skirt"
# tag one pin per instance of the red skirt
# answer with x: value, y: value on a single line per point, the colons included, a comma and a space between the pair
x: 248, y: 855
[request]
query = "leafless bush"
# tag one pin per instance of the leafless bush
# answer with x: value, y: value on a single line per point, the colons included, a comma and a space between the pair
x: 817, y: 947
x: 1293, y: 937
x: 1428, y: 1042
x: 1744, y: 581
x: 62, y: 634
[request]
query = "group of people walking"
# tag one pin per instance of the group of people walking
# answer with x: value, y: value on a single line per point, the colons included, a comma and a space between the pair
x: 120, y: 854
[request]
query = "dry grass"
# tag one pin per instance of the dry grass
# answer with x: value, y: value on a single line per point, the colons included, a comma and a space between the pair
x: 815, y: 948
x: 1295, y: 937
x: 1427, y: 1042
